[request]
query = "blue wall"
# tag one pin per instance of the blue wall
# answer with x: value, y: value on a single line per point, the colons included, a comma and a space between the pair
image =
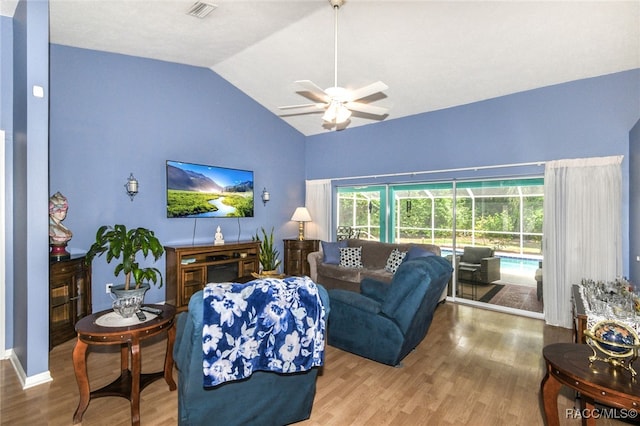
x: 585, y: 118
x: 28, y: 253
x: 113, y: 114
x: 634, y: 203
x: 6, y: 123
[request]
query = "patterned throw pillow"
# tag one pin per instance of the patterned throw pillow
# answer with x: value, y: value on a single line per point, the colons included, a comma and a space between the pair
x: 351, y: 257
x: 395, y: 259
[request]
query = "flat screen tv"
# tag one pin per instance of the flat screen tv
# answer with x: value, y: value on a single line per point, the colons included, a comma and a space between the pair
x: 198, y: 190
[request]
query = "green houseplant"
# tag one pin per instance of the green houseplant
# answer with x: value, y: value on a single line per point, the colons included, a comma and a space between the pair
x: 122, y: 244
x: 268, y: 253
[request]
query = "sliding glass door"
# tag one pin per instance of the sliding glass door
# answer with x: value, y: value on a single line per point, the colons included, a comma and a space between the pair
x: 502, y: 215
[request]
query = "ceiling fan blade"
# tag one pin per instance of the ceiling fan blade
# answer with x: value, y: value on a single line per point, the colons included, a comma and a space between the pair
x: 368, y: 90
x: 310, y: 87
x: 366, y: 108
x: 318, y: 105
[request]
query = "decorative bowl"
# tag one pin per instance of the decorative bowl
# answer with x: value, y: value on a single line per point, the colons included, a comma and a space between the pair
x: 126, y: 307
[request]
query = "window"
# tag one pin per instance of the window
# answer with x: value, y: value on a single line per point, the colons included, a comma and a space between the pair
x: 360, y: 209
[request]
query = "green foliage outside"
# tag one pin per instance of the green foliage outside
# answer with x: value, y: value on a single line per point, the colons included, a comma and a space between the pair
x: 426, y: 220
x: 187, y: 203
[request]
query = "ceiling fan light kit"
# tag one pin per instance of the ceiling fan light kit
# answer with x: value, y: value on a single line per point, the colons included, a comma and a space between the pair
x: 337, y: 101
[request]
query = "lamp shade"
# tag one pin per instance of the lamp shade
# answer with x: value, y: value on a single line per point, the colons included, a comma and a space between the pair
x: 301, y: 215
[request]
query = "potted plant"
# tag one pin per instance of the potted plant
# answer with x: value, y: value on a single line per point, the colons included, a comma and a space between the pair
x: 268, y: 253
x: 124, y: 245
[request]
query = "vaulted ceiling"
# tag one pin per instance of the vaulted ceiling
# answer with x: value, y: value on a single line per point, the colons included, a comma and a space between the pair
x: 431, y: 54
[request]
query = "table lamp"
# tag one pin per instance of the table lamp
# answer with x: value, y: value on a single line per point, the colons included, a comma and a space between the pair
x: 301, y: 215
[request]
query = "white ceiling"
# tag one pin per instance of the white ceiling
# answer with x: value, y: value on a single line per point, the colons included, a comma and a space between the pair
x: 431, y: 54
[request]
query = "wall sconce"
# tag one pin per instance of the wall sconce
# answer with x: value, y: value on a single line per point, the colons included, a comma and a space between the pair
x: 131, y: 186
x: 265, y: 196
x: 301, y: 215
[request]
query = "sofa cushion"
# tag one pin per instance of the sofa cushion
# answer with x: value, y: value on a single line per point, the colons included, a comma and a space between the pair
x: 341, y: 273
x: 331, y: 251
x: 376, y: 274
x: 351, y: 257
x: 394, y: 260
x: 476, y: 254
x: 415, y: 252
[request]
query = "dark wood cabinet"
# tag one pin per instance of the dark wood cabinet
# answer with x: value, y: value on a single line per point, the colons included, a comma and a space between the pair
x: 69, y: 297
x: 190, y: 268
x: 295, y: 256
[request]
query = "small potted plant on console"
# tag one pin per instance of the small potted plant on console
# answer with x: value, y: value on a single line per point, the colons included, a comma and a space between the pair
x: 124, y: 245
x: 268, y: 254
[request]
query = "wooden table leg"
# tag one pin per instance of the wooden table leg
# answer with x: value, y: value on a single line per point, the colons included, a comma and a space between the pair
x: 135, y: 381
x: 168, y: 358
x: 588, y: 410
x: 549, y: 389
x: 124, y: 357
x: 80, y: 369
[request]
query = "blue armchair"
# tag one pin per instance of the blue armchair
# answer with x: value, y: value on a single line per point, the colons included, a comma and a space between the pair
x: 265, y: 398
x: 387, y: 321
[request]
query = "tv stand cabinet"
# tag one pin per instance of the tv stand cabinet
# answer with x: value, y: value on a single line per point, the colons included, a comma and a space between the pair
x: 189, y: 268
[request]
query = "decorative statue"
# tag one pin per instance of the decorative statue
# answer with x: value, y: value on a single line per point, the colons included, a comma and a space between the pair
x: 219, y: 237
x: 58, y: 233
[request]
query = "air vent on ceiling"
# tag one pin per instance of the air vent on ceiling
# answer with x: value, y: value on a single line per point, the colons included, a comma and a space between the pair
x: 200, y: 9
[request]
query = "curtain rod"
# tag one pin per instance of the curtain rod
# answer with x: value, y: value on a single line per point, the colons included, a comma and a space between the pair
x: 425, y: 172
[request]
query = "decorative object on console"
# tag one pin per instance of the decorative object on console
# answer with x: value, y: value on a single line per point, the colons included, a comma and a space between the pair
x: 59, y: 234
x: 265, y: 196
x: 301, y: 215
x: 219, y: 238
x: 131, y: 186
x: 612, y: 324
x: 120, y: 243
x: 617, y: 341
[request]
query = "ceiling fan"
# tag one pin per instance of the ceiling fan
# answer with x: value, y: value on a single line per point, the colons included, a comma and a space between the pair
x: 338, y: 102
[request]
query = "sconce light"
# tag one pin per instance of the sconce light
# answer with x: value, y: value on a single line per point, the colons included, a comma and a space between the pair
x: 301, y: 215
x: 265, y: 196
x: 131, y: 186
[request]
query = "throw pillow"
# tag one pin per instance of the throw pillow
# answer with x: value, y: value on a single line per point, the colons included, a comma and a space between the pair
x: 351, y: 257
x: 332, y: 251
x: 416, y: 251
x: 395, y: 259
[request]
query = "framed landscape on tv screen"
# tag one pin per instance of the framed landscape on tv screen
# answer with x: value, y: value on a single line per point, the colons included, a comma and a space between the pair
x: 198, y: 190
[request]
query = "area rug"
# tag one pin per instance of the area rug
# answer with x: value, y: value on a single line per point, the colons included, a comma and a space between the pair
x: 479, y: 292
x: 518, y: 297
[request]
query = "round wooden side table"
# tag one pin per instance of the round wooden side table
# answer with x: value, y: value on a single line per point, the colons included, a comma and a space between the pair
x: 568, y: 365
x: 106, y: 328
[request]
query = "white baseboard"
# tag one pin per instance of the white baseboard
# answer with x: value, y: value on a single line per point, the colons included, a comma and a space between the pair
x: 28, y: 382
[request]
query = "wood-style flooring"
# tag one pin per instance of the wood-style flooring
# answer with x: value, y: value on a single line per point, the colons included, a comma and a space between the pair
x: 475, y: 367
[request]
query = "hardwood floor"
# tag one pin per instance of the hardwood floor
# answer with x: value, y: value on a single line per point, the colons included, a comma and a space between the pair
x: 475, y: 367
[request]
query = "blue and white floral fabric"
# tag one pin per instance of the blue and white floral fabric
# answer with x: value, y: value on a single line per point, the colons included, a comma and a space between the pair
x: 267, y: 324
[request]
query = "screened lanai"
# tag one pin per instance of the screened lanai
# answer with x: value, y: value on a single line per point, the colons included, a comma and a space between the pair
x: 503, y: 214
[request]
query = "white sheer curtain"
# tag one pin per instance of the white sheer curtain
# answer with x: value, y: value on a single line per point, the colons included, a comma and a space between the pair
x: 318, y: 202
x: 582, y: 230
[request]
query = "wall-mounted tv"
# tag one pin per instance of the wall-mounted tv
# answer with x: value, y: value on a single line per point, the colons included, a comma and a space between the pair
x: 198, y: 190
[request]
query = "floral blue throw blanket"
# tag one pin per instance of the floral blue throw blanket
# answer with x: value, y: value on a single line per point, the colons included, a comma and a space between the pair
x: 267, y: 324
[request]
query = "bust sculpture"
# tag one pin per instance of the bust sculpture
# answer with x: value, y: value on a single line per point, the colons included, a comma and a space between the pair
x: 58, y: 233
